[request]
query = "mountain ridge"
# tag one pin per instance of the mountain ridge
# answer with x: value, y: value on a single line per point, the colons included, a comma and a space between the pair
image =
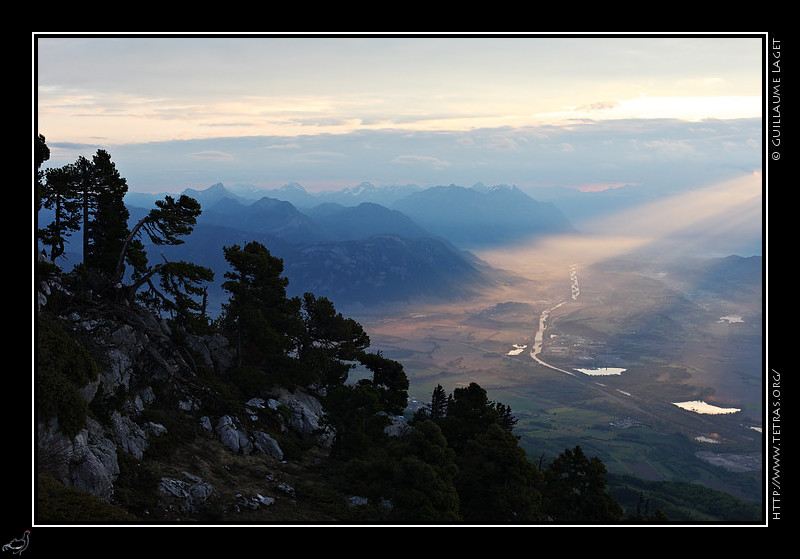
x: 362, y: 254
x: 485, y: 216
x: 462, y: 215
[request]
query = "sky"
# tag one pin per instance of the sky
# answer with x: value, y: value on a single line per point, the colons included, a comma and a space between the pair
x: 585, y: 113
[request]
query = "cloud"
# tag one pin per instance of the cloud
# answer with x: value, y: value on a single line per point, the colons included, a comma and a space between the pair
x: 421, y: 160
x: 211, y: 155
x: 670, y: 147
x: 72, y: 146
x: 319, y: 121
x: 227, y: 124
x: 317, y: 157
x: 289, y: 145
x: 664, y: 152
x: 157, y: 89
x: 599, y: 106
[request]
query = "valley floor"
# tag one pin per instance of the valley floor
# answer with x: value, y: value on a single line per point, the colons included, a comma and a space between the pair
x: 662, y: 346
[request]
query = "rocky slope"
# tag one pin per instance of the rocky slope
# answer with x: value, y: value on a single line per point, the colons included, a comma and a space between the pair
x: 164, y: 438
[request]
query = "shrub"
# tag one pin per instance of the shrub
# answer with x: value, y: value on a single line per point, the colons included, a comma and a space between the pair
x: 62, y: 367
x: 59, y: 504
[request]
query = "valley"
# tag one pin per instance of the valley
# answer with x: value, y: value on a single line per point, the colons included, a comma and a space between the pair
x: 601, y: 355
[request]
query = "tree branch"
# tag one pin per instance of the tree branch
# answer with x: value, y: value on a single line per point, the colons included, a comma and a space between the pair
x: 121, y: 260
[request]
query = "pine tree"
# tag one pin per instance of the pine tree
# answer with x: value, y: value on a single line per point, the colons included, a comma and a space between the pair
x: 438, y: 406
x: 468, y: 414
x: 163, y: 225
x: 505, y: 418
x: 389, y: 378
x: 434, y: 410
x: 258, y: 316
x: 105, y: 234
x: 416, y: 473
x: 89, y: 195
x: 496, y: 482
x: 41, y: 154
x: 574, y: 490
x: 183, y: 295
x: 328, y: 344
x: 354, y: 412
x: 58, y: 191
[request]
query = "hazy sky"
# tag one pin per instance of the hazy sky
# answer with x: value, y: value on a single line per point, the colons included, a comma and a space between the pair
x: 335, y: 111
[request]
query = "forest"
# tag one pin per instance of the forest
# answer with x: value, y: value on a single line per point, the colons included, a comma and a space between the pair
x: 457, y: 461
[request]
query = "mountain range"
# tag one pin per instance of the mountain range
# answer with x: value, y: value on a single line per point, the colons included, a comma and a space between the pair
x: 324, y: 237
x: 294, y: 193
x: 469, y: 217
x: 483, y: 216
x: 351, y: 248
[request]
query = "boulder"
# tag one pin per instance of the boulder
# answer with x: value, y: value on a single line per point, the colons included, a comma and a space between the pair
x: 214, y: 350
x: 93, y: 460
x: 232, y: 436
x: 262, y: 442
x: 191, y: 491
x: 306, y: 414
x: 128, y: 435
x: 254, y: 502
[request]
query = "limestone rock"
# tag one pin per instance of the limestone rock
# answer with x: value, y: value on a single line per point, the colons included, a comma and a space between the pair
x: 254, y: 502
x: 214, y: 350
x: 232, y: 436
x: 129, y: 437
x: 191, y: 491
x: 306, y: 414
x: 94, y: 464
x: 266, y: 444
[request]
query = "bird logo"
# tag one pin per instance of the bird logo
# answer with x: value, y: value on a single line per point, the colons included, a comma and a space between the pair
x: 18, y: 545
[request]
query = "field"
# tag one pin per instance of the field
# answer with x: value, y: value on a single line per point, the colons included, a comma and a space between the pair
x: 670, y: 346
